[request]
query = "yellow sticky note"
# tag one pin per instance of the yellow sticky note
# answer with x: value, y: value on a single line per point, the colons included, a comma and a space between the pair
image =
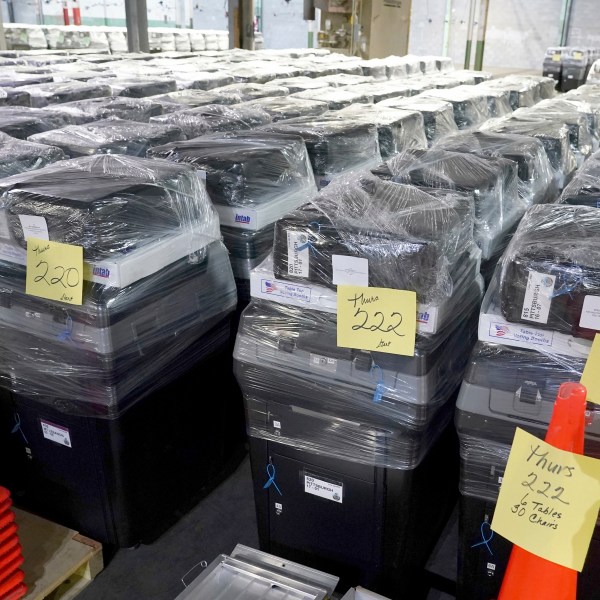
x: 556, y: 57
x: 591, y: 373
x: 54, y: 271
x: 549, y: 501
x: 379, y: 319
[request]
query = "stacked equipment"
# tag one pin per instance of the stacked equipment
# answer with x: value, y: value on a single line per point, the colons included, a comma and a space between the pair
x: 346, y: 441
x: 536, y: 324
x: 253, y: 178
x: 105, y: 395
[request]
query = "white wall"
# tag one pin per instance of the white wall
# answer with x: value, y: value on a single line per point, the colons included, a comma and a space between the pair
x: 518, y: 31
x: 283, y: 24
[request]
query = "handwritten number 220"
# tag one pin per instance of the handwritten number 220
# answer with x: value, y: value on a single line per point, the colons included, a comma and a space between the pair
x: 379, y: 326
x: 67, y: 277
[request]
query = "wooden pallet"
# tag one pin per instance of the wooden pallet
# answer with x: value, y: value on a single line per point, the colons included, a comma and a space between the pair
x: 59, y: 562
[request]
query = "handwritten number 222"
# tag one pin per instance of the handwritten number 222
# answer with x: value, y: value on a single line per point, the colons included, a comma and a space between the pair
x: 546, y: 486
x: 379, y: 326
x: 65, y: 277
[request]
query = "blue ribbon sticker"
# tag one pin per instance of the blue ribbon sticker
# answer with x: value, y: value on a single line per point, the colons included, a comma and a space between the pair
x: 271, y: 481
x: 485, y: 540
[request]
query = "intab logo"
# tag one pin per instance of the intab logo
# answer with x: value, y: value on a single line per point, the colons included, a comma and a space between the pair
x: 101, y: 272
x: 242, y: 219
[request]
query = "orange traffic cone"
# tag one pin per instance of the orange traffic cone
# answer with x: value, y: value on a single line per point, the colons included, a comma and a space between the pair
x: 530, y: 577
x: 12, y: 586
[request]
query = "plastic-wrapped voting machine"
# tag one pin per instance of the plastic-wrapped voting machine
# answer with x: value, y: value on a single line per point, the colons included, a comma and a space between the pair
x: 470, y: 106
x: 335, y: 144
x: 251, y: 177
x: 185, y: 99
x: 109, y: 136
x: 20, y: 79
x: 438, y: 115
x: 523, y: 92
x: 288, y: 107
x: 580, y: 136
x: 344, y: 80
x: 140, y: 87
x: 554, y: 137
x: 14, y: 97
x: 18, y: 156
x: 577, y: 106
x: 550, y: 275
x: 492, y: 182
x: 336, y: 98
x: 546, y: 85
x: 301, y: 84
x: 384, y: 90
x: 57, y: 93
x: 469, y: 74
x: 369, y: 407
x: 122, y: 343
x: 108, y: 204
x: 196, y: 122
x: 498, y: 100
x: 374, y: 68
x: 584, y: 188
x: 131, y: 109
x: 396, y: 235
x: 201, y: 81
x: 536, y: 180
x: 397, y: 129
x: 254, y: 91
x: 21, y: 122
x: 505, y: 388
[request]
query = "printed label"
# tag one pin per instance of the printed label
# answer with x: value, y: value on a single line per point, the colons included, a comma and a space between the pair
x: 4, y: 229
x: 34, y: 227
x: 277, y: 424
x: 278, y: 506
x: 323, y: 489
x: 56, y: 433
x: 30, y: 314
x: 270, y: 287
x: 590, y: 314
x: 491, y: 566
x: 520, y: 334
x: 349, y: 270
x: 298, y: 254
x: 323, y: 362
x: 427, y: 318
x: 538, y: 297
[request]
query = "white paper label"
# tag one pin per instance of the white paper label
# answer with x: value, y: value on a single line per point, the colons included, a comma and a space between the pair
x: 4, y: 229
x: 350, y: 270
x: 427, y: 318
x: 491, y: 566
x: 323, y: 362
x: 323, y: 489
x: 516, y: 333
x: 538, y: 297
x: 590, y: 314
x: 34, y: 227
x: 277, y: 424
x: 293, y: 291
x: 56, y: 433
x: 298, y: 254
x: 278, y: 506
